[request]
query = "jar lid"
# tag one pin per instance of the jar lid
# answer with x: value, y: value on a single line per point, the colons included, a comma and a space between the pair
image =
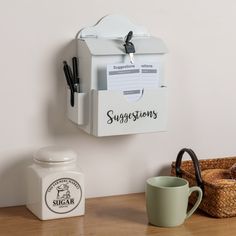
x: 55, y: 154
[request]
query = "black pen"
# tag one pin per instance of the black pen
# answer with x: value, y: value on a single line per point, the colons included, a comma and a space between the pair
x: 69, y: 80
x: 75, y: 73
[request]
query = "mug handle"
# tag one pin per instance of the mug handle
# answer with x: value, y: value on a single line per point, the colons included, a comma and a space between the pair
x: 199, y: 199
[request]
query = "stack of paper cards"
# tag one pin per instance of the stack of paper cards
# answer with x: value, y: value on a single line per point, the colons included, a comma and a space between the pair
x: 126, y: 78
x: 132, y: 78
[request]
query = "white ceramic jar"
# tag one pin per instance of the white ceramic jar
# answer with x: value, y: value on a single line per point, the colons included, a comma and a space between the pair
x: 55, y: 186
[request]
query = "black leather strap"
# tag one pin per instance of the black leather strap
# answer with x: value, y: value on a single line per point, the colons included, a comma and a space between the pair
x: 195, y: 163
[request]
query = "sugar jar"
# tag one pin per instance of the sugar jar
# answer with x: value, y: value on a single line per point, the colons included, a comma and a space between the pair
x: 55, y: 186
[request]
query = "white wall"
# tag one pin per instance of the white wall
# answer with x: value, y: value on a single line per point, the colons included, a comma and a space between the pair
x: 35, y: 38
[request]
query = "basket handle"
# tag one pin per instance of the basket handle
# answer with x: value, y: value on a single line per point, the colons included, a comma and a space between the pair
x: 193, y: 156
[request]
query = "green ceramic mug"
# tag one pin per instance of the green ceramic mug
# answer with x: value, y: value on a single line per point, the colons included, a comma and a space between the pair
x: 167, y: 200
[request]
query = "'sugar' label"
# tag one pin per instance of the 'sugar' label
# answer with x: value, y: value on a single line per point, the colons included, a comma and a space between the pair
x: 63, y: 195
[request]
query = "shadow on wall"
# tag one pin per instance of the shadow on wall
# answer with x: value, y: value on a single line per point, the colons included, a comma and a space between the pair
x: 58, y: 125
x: 164, y: 171
x: 57, y: 121
x: 13, y: 179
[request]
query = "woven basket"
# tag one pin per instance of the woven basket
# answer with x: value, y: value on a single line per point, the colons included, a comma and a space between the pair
x: 218, y: 200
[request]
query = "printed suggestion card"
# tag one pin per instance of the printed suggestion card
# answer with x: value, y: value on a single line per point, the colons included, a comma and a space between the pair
x: 133, y: 78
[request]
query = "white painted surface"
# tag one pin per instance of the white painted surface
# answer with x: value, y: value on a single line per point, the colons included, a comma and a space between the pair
x: 200, y: 70
x: 96, y: 52
x: 113, y: 26
x: 147, y: 114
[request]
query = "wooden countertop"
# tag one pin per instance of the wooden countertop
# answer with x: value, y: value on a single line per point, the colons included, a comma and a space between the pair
x: 110, y: 216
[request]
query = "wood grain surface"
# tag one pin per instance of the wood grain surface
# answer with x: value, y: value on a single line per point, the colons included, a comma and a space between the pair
x: 110, y: 216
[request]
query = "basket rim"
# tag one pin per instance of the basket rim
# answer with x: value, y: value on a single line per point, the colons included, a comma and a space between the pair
x: 209, y: 184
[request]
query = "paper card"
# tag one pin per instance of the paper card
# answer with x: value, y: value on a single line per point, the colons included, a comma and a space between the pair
x: 126, y: 78
x: 150, y: 75
x: 132, y: 78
